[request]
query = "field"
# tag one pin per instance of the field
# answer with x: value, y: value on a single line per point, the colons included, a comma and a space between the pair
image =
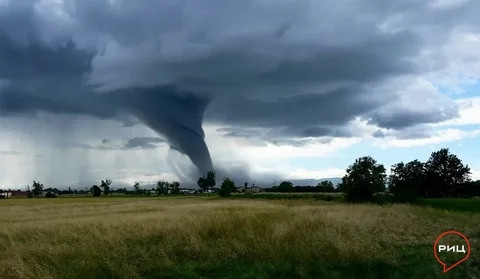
x: 210, y: 237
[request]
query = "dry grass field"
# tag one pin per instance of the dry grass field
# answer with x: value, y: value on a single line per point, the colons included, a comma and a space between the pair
x: 209, y: 237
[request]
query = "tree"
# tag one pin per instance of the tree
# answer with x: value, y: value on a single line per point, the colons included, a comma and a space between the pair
x: 207, y: 182
x: 471, y: 189
x: 37, y: 189
x: 175, y: 188
x: 202, y: 183
x: 285, y: 186
x: 105, y: 184
x: 407, y: 181
x: 211, y: 179
x: 227, y: 187
x: 162, y: 187
x: 136, y: 186
x: 325, y: 186
x: 363, y: 178
x: 446, y: 174
x: 96, y: 191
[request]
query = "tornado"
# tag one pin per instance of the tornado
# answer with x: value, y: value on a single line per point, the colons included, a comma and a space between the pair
x: 175, y: 114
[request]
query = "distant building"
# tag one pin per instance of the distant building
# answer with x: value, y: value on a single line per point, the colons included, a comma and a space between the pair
x: 187, y: 191
x: 13, y: 193
x: 5, y: 194
x: 19, y: 193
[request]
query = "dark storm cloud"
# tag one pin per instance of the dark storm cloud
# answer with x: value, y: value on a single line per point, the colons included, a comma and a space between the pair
x: 144, y: 142
x: 299, y: 112
x: 34, y: 60
x: 381, y: 56
x: 238, y: 132
x: 402, y: 119
x: 133, y: 143
x: 295, y: 68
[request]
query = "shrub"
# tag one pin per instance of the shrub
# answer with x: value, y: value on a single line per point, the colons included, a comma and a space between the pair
x: 50, y: 195
x: 228, y: 186
x: 96, y: 191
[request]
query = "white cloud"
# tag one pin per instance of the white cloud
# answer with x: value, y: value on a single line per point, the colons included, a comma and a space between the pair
x: 442, y: 136
x: 475, y: 174
x: 462, y: 61
x: 469, y: 113
x: 301, y: 173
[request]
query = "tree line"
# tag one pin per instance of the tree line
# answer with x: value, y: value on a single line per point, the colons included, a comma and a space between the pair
x: 443, y: 175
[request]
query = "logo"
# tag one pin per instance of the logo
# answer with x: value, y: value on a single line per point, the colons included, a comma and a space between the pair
x: 449, y: 249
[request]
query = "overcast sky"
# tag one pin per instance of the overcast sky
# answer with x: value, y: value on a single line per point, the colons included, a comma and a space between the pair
x: 259, y: 90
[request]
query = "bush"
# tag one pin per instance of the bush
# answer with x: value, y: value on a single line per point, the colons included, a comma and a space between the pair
x: 228, y: 186
x: 358, y: 194
x: 328, y: 198
x: 50, y: 195
x: 383, y: 198
x: 96, y: 191
x: 405, y: 195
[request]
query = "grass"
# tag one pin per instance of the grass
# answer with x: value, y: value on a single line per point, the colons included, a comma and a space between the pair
x: 292, y: 196
x: 461, y: 205
x: 209, y: 237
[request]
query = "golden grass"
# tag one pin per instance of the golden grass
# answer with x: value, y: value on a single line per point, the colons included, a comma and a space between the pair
x: 65, y: 237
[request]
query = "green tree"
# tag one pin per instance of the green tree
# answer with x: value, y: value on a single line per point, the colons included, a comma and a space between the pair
x: 227, y: 187
x: 285, y: 186
x: 136, y: 186
x: 202, y: 183
x: 96, y: 191
x: 407, y: 181
x: 207, y: 182
x: 161, y: 187
x: 211, y: 179
x: 37, y: 189
x: 175, y: 188
x: 364, y: 177
x: 326, y: 186
x: 446, y: 174
x: 105, y: 184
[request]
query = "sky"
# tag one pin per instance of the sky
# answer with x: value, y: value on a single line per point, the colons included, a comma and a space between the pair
x: 258, y: 90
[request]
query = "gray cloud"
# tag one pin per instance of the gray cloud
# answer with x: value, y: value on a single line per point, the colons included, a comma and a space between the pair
x: 294, y: 68
x: 36, y: 60
x: 133, y: 143
x: 239, y: 132
x: 402, y: 119
x: 379, y: 134
x: 144, y: 142
x: 9, y: 152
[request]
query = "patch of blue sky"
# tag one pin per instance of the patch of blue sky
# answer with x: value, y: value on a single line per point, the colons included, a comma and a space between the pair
x: 466, y: 149
x: 467, y: 91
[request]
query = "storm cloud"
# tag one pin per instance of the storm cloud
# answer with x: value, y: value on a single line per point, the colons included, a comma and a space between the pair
x: 297, y: 69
